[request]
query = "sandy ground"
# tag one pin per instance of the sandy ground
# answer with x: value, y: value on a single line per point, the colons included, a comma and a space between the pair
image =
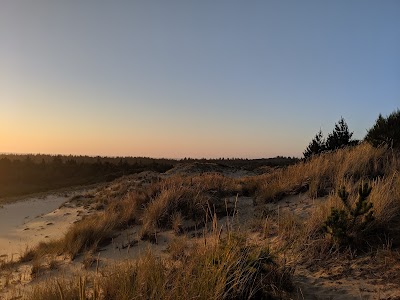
x: 27, y: 222
x: 24, y: 224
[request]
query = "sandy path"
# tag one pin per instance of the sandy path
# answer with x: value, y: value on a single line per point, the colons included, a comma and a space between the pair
x: 26, y: 223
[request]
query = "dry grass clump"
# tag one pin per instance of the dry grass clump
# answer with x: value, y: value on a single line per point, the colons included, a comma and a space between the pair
x: 179, y: 248
x: 126, y: 212
x: 62, y: 289
x: 178, y: 198
x: 227, y: 269
x: 385, y: 196
x: 174, y: 201
x: 42, y: 250
x: 87, y: 235
x: 218, y: 185
x: 326, y: 173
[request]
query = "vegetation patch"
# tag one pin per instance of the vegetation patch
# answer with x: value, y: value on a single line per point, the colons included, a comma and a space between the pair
x: 226, y: 269
x: 348, y: 225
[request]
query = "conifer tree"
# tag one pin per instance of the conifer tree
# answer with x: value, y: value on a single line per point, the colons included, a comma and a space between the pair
x: 340, y: 136
x: 386, y: 131
x: 346, y: 224
x: 316, y: 146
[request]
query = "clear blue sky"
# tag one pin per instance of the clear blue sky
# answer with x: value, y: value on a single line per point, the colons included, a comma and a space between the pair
x: 193, y: 78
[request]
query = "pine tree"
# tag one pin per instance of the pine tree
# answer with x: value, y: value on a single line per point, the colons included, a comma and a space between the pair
x: 316, y: 146
x: 346, y: 224
x: 386, y: 131
x: 340, y: 136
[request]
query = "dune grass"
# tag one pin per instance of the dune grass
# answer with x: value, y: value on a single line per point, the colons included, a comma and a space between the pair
x: 328, y: 173
x: 163, y: 204
x: 223, y: 269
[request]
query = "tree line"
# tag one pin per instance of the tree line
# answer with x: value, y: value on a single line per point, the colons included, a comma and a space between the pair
x: 35, y: 173
x: 30, y: 173
x: 385, y: 131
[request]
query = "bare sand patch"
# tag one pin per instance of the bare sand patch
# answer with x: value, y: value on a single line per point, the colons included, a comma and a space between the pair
x: 24, y: 224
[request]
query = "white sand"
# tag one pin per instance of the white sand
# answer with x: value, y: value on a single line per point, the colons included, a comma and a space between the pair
x: 24, y: 224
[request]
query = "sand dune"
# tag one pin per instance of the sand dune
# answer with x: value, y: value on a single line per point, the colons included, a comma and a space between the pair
x: 25, y: 223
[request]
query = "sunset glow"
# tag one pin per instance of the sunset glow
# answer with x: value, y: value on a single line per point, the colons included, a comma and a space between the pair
x: 192, y: 79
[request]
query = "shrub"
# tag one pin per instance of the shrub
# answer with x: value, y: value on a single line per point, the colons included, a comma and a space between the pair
x: 386, y: 131
x: 345, y: 225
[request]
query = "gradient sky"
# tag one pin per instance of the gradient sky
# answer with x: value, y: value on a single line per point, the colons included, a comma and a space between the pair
x: 193, y: 78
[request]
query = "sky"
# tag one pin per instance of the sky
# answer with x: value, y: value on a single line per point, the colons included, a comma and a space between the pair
x: 185, y: 78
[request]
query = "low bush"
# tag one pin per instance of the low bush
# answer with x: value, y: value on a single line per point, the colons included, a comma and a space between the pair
x: 348, y: 225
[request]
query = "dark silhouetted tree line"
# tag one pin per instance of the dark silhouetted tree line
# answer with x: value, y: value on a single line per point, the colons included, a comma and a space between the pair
x: 30, y: 173
x: 24, y: 174
x: 385, y: 132
x: 245, y: 163
x: 340, y: 137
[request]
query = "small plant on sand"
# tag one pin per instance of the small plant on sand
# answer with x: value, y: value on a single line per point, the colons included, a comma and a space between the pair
x: 344, y: 225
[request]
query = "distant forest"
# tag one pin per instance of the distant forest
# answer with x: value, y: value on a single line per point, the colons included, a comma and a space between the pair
x: 25, y: 174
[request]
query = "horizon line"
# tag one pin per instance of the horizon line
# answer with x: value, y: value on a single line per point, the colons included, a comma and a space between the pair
x: 148, y: 157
